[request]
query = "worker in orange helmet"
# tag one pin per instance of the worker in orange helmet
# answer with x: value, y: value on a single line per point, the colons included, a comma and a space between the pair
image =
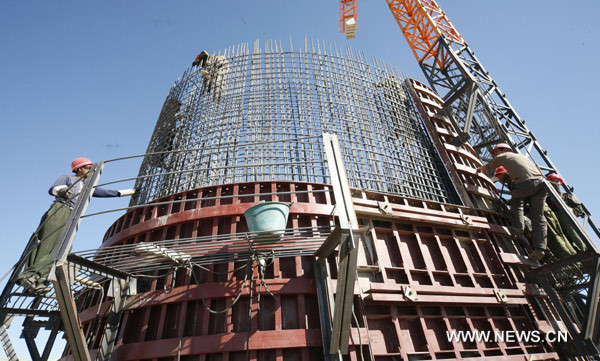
x: 41, y: 246
x: 528, y: 186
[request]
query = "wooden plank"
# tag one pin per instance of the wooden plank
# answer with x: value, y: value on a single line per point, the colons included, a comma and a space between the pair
x: 68, y: 313
x: 446, y: 299
x: 348, y: 301
x: 340, y: 291
x: 332, y: 241
x: 339, y: 181
x: 443, y: 290
x: 475, y: 222
x: 419, y: 210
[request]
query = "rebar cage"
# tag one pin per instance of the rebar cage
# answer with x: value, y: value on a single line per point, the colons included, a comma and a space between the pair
x: 259, y: 115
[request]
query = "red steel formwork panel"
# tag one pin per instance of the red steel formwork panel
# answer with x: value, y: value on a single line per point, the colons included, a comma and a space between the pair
x: 430, y: 269
x: 424, y: 268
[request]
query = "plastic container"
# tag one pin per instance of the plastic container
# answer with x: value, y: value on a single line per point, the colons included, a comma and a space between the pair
x: 267, y: 221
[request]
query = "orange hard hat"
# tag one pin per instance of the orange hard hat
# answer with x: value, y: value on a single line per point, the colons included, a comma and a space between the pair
x: 80, y: 162
x: 500, y: 170
x: 555, y: 177
x: 501, y: 146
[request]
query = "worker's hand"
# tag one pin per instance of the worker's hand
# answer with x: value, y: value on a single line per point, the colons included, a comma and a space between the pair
x: 62, y: 192
x: 126, y: 192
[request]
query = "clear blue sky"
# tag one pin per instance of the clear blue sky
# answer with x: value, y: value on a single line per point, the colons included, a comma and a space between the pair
x: 88, y: 78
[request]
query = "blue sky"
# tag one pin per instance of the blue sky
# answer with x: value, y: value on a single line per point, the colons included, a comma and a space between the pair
x: 88, y: 78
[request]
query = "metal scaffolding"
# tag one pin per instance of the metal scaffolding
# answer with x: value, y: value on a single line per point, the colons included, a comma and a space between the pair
x: 263, y: 118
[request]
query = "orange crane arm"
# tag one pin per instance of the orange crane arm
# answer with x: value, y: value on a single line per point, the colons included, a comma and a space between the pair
x: 422, y: 23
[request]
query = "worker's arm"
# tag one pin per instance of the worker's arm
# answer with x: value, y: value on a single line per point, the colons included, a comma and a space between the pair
x: 60, y: 187
x: 493, y: 164
x: 104, y: 193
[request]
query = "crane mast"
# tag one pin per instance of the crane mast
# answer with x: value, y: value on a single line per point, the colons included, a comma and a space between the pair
x: 482, y: 115
x: 474, y: 102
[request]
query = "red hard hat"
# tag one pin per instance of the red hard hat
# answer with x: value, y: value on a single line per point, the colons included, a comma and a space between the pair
x: 80, y: 162
x: 555, y: 177
x: 500, y: 170
x: 501, y: 146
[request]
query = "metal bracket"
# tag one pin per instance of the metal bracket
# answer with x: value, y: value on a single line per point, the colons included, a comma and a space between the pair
x: 409, y: 293
x: 385, y: 207
x: 500, y: 296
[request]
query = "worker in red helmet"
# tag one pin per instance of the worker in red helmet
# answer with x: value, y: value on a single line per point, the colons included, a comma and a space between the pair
x: 499, y: 174
x: 66, y: 190
x: 200, y: 59
x: 528, y: 186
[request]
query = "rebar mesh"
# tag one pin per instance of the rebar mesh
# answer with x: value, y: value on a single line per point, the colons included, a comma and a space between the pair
x: 260, y: 116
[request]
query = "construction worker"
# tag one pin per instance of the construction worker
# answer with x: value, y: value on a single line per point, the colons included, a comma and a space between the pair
x: 558, y: 242
x: 66, y: 190
x: 574, y: 203
x: 528, y: 186
x: 168, y: 122
x: 214, y: 72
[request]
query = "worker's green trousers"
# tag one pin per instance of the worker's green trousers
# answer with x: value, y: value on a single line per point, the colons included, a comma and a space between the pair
x: 570, y: 232
x: 47, y: 235
x: 558, y: 243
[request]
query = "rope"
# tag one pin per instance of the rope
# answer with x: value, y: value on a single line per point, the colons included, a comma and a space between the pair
x: 362, y: 357
x: 234, y: 301
x: 261, y: 273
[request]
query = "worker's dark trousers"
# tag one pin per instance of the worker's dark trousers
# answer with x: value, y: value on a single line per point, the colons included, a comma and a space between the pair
x: 534, y: 191
x: 48, y: 234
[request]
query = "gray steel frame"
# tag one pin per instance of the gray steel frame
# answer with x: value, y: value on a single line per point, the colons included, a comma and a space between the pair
x: 482, y: 114
x: 481, y: 110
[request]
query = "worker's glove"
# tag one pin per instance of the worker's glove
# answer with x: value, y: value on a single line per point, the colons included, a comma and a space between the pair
x: 126, y: 192
x: 62, y: 192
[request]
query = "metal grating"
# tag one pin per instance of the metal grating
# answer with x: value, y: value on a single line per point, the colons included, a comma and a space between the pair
x: 263, y: 116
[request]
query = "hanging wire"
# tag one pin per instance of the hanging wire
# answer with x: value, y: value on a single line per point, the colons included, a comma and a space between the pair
x: 243, y: 285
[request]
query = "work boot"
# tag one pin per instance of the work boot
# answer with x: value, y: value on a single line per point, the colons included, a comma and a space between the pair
x: 537, y: 254
x: 28, y: 284
x: 42, y: 289
x: 515, y: 231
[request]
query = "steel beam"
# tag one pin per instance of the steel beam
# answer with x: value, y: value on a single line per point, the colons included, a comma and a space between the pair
x: 5, y: 339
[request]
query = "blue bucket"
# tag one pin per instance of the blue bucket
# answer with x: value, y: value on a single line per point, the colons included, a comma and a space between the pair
x: 267, y: 221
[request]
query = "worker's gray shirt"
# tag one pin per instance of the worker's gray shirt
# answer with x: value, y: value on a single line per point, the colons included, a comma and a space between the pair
x: 75, y: 186
x: 517, y: 165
